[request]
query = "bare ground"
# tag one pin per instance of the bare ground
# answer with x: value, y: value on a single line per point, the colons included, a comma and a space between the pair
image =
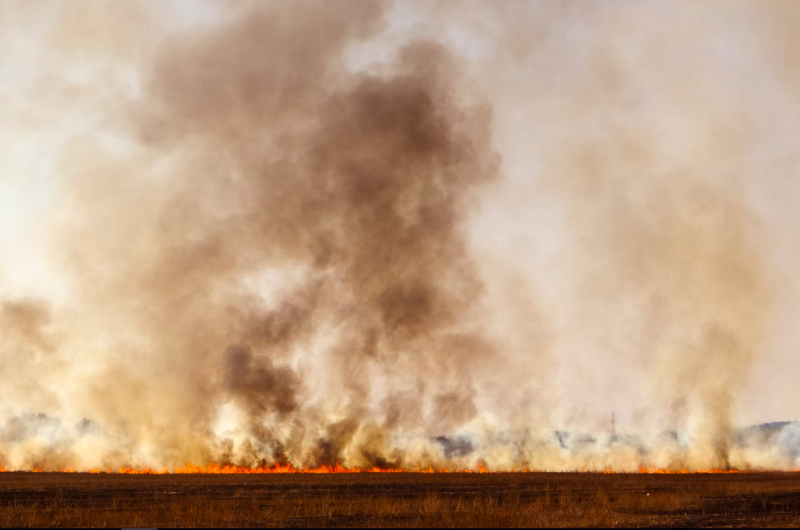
x: 406, y: 499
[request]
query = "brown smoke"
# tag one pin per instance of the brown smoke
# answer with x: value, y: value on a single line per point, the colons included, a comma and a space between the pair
x: 647, y: 158
x: 279, y: 159
x: 283, y: 237
x: 29, y: 356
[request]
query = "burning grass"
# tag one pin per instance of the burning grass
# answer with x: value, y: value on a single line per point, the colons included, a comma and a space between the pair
x: 232, y: 469
x: 399, y: 499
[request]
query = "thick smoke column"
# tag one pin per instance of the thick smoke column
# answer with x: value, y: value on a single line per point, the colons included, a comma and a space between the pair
x: 354, y: 187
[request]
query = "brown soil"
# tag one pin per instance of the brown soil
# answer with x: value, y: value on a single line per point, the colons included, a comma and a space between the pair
x: 407, y: 499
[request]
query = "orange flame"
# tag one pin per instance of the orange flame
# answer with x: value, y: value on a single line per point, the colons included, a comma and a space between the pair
x: 230, y: 469
x: 277, y: 468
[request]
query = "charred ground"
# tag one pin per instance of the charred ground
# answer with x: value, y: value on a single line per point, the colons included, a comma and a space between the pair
x: 406, y: 499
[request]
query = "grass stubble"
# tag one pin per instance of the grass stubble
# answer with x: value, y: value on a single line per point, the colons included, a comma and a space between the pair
x: 407, y: 499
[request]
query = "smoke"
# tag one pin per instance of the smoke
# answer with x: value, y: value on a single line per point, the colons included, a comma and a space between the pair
x: 327, y: 233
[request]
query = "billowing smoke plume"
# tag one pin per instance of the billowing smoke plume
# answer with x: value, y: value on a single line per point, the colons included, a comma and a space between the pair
x: 302, y: 232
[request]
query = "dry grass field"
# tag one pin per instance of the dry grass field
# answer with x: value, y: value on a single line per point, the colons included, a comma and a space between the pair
x: 407, y: 499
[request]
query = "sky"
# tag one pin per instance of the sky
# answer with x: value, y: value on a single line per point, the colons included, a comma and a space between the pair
x: 636, y: 250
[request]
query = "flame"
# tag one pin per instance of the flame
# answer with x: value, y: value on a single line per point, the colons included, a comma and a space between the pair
x: 216, y: 469
x: 231, y: 469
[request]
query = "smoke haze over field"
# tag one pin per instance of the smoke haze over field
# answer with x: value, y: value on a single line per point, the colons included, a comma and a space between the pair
x: 398, y: 235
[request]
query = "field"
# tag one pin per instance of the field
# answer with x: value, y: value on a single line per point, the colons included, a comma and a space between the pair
x: 406, y: 499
